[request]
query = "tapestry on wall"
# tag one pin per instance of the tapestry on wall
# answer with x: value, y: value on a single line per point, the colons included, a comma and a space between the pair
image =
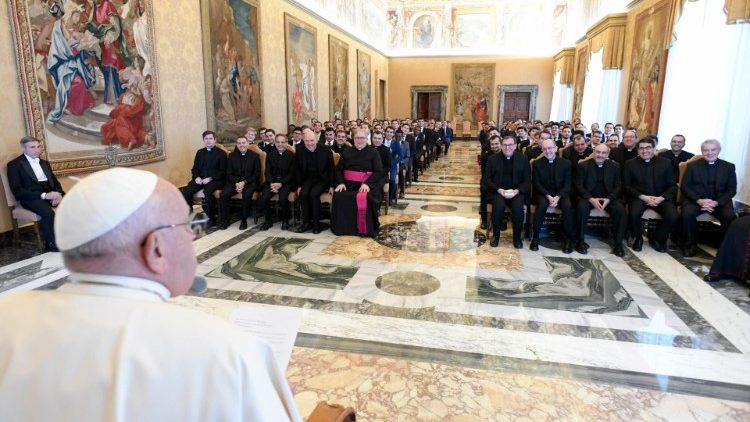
x: 364, y: 87
x: 89, y: 82
x: 301, y: 71
x: 231, y: 45
x: 338, y: 72
x: 472, y: 91
x: 582, y: 64
x: 647, y: 68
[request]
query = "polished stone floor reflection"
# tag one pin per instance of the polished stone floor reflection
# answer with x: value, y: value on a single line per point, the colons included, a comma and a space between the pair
x: 427, y: 322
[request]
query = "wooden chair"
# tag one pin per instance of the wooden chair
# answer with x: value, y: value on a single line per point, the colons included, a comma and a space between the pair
x: 18, y: 214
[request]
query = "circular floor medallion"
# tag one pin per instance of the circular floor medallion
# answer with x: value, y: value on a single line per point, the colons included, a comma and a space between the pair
x: 450, y: 178
x: 407, y: 283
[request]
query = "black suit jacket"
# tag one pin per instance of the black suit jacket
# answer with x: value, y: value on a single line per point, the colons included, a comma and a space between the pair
x: 493, y: 172
x: 321, y: 167
x: 621, y: 154
x: 23, y: 182
x: 243, y: 169
x: 385, y: 158
x: 211, y: 164
x: 634, y: 178
x: 563, y: 177
x: 695, y: 181
x: 683, y: 156
x: 585, y: 179
x: 280, y: 167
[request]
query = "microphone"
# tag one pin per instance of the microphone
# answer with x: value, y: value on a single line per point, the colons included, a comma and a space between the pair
x: 200, y: 285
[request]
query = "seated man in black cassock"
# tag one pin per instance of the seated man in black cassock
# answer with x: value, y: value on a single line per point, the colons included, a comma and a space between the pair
x: 708, y: 186
x: 35, y: 186
x: 676, y: 154
x: 626, y: 150
x: 280, y: 165
x: 552, y: 178
x: 357, y: 197
x: 315, y: 175
x: 599, y: 185
x: 339, y: 143
x: 506, y: 180
x: 650, y: 183
x: 243, y: 174
x: 209, y: 171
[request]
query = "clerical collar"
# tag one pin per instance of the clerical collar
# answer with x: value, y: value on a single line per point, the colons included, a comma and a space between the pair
x: 600, y: 165
x: 208, y: 149
x: 710, y: 163
x: 551, y: 161
x: 647, y: 161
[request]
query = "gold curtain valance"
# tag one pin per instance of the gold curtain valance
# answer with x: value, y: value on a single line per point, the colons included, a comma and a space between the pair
x: 609, y: 34
x: 738, y: 11
x: 564, y: 62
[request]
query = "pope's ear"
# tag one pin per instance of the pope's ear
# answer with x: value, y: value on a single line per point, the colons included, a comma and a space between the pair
x: 152, y: 252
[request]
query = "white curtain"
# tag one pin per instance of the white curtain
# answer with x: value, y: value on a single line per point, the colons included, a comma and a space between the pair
x: 592, y: 90
x: 609, y: 101
x: 707, y: 87
x: 561, y: 100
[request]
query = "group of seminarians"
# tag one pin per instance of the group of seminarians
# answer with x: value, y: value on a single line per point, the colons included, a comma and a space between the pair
x: 589, y: 175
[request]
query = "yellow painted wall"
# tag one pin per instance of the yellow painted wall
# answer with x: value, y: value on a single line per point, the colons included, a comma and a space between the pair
x: 405, y: 72
x: 179, y: 59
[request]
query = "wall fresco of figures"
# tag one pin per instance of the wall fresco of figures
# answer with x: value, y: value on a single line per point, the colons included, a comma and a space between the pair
x: 301, y: 71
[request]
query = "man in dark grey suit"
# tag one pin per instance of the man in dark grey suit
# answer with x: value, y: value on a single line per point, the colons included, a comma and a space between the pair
x: 35, y: 186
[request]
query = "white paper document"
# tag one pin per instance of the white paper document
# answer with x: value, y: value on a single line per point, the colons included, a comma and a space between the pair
x: 278, y: 326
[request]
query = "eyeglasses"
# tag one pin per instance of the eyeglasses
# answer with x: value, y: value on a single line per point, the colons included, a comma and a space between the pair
x: 196, y: 224
x: 645, y: 148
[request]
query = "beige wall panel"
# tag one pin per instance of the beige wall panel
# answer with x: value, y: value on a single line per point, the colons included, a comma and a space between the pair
x: 405, y: 72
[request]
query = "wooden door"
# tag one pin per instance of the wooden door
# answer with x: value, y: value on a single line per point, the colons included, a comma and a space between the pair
x: 516, y: 106
x: 429, y: 105
x: 434, y: 108
x: 423, y: 105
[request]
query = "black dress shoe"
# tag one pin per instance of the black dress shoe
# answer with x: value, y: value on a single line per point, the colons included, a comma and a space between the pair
x: 303, y: 228
x: 503, y: 226
x: 51, y: 247
x: 401, y: 195
x: 518, y: 244
x: 689, y: 251
x: 243, y: 224
x: 534, y: 244
x: 567, y: 247
x: 211, y: 222
x: 658, y: 246
x: 712, y: 278
x: 495, y: 241
x: 316, y: 228
x: 284, y: 225
x: 266, y: 225
x: 618, y: 251
x: 581, y: 248
x: 638, y: 244
x: 483, y: 226
x: 224, y: 225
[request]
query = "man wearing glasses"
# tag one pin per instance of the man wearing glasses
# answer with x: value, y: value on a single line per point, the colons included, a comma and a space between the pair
x: 650, y: 183
x: 108, y: 344
x: 507, y: 180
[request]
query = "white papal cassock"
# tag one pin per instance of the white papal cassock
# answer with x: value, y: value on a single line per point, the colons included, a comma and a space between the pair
x: 109, y: 348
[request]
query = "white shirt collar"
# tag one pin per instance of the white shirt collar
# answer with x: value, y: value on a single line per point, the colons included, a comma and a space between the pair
x: 100, y: 284
x: 32, y: 159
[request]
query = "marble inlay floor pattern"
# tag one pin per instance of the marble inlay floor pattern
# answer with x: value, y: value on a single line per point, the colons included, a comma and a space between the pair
x: 427, y: 322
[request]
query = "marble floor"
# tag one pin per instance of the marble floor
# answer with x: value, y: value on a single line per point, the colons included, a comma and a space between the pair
x: 426, y: 322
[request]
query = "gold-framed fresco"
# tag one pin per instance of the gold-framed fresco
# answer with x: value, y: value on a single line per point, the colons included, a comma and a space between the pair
x: 232, y: 67
x: 89, y: 82
x: 364, y: 85
x: 301, y: 70
x: 648, y: 68
x: 582, y: 64
x: 338, y: 73
x: 472, y: 86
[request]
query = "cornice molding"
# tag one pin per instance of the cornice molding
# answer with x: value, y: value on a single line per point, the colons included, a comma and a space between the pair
x: 610, y: 21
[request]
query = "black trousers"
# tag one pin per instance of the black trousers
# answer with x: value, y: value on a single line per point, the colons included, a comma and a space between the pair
x: 265, y: 201
x: 438, y: 150
x: 309, y: 200
x: 616, y: 211
x: 210, y: 204
x: 47, y: 223
x: 446, y: 145
x: 516, y: 213
x: 483, y: 201
x: 691, y: 210
x: 564, y: 205
x: 666, y: 209
x: 401, y: 178
x: 227, y: 193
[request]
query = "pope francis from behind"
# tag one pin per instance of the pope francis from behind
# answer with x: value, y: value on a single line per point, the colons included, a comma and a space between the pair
x: 107, y: 346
